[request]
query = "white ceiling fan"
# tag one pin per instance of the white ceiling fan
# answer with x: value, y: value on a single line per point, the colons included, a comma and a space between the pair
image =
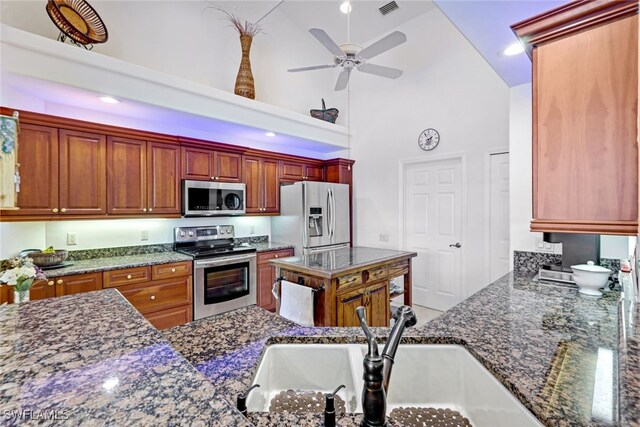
x: 349, y: 56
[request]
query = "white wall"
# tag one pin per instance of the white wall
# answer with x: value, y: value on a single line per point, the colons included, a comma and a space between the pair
x: 447, y: 85
x: 113, y: 233
x: 520, y: 188
x: 180, y: 38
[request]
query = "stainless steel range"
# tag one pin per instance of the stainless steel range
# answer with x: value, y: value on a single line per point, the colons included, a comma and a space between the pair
x: 224, y: 275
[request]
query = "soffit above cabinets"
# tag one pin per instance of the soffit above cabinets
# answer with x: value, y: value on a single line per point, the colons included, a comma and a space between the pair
x: 47, y: 76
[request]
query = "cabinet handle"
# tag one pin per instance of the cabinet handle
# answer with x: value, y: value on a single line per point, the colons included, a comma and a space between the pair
x: 144, y: 209
x: 128, y: 276
x: 50, y: 283
x: 150, y: 209
x: 276, y: 256
x: 213, y: 177
x: 153, y: 297
x: 173, y: 270
x: 59, y: 281
x: 54, y: 210
x: 63, y: 210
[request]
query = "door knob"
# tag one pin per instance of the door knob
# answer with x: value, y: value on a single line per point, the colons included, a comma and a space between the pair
x: 456, y: 245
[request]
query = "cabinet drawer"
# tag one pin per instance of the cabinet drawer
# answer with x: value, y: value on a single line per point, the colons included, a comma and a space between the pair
x: 126, y: 276
x: 155, y: 296
x: 169, y: 271
x: 349, y: 281
x: 266, y: 256
x: 376, y: 274
x: 171, y: 317
x: 398, y: 269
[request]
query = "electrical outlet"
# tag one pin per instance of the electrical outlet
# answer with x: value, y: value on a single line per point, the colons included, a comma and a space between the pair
x: 72, y: 239
x: 384, y: 237
x: 542, y: 246
x: 252, y: 229
x: 144, y: 235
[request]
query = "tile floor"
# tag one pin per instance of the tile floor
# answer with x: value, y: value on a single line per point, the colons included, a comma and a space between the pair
x: 424, y: 314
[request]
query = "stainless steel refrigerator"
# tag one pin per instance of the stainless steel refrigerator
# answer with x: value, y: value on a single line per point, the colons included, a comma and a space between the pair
x: 314, y: 216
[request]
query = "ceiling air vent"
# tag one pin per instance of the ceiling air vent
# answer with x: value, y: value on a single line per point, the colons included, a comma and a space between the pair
x: 388, y: 8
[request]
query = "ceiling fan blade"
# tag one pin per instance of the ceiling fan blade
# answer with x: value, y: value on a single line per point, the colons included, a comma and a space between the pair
x: 343, y: 80
x: 382, y: 45
x: 314, y: 67
x: 379, y: 70
x: 326, y: 41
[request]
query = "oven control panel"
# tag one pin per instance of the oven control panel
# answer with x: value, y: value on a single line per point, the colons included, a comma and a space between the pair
x: 199, y: 234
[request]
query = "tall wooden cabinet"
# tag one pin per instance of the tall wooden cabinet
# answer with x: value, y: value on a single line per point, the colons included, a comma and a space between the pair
x: 263, y: 186
x: 142, y: 177
x: 585, y: 117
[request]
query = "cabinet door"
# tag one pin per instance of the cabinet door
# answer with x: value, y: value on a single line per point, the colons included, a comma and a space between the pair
x: 266, y: 275
x: 197, y: 163
x: 78, y: 283
x: 227, y: 167
x: 163, y: 183
x: 126, y: 176
x: 170, y: 317
x: 253, y: 194
x: 291, y: 171
x: 377, y: 304
x: 313, y: 173
x: 347, y: 304
x: 83, y: 173
x: 39, y: 290
x: 270, y: 186
x: 38, y: 158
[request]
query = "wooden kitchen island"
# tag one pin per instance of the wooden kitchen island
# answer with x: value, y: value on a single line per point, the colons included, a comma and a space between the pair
x: 347, y: 278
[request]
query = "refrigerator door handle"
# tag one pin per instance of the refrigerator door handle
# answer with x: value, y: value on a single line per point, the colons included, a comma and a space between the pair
x: 333, y: 215
x: 329, y: 212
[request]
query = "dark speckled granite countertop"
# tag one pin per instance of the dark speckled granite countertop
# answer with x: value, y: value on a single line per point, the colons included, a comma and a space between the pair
x: 332, y: 263
x: 91, y: 359
x: 543, y: 342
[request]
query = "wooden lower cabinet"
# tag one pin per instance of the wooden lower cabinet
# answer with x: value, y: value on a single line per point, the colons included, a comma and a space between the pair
x: 374, y: 298
x: 78, y: 283
x: 162, y: 293
x: 266, y: 276
x: 40, y: 290
x: 171, y: 317
x: 347, y: 304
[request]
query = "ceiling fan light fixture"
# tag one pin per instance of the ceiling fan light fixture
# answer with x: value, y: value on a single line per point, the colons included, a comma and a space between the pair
x: 513, y: 49
x: 345, y: 7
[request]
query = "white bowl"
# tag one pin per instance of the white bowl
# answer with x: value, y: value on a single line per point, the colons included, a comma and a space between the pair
x: 590, y: 278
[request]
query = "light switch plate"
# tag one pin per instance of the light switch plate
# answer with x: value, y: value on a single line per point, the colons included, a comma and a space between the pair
x: 384, y: 237
x: 72, y: 239
x: 144, y: 235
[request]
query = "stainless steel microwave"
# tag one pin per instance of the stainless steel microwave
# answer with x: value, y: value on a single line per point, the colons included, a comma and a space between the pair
x: 204, y: 198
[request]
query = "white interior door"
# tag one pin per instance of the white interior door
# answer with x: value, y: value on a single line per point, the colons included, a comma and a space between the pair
x: 499, y: 216
x: 432, y: 228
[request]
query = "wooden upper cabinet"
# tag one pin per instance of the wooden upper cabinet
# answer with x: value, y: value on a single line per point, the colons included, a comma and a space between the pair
x: 83, y: 173
x: 585, y: 117
x: 38, y: 157
x: 197, y: 163
x: 203, y: 164
x: 339, y: 171
x: 228, y: 166
x: 295, y: 171
x: 163, y: 183
x: 263, y: 185
x: 127, y: 176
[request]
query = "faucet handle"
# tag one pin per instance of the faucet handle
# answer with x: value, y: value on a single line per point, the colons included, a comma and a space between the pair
x: 371, y: 340
x: 407, y: 315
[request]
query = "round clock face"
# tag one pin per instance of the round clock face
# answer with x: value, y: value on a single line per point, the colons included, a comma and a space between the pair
x: 429, y: 139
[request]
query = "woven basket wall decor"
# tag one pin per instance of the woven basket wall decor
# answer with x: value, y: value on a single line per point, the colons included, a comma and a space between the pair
x: 244, y: 79
x: 327, y: 114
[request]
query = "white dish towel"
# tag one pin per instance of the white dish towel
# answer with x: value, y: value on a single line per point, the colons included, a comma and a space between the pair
x: 296, y: 303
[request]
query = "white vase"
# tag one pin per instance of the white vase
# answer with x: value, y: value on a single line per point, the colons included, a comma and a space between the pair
x: 20, y: 296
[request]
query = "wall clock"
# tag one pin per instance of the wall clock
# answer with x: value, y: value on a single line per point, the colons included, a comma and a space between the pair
x: 429, y: 139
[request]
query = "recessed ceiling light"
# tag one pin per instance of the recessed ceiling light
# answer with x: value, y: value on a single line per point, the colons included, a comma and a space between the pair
x: 270, y: 134
x: 514, y: 48
x: 109, y: 99
x: 345, y: 7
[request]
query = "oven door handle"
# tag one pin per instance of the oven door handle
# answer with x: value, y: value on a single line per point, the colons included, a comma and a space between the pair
x: 224, y: 261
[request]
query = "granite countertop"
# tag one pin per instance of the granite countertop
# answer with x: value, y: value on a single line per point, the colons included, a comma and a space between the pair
x: 543, y: 342
x: 270, y: 246
x: 332, y: 263
x: 112, y: 263
x: 92, y: 359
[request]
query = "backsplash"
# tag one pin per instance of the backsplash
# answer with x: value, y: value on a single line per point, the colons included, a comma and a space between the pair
x: 252, y: 239
x: 119, y: 251
x: 528, y: 263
